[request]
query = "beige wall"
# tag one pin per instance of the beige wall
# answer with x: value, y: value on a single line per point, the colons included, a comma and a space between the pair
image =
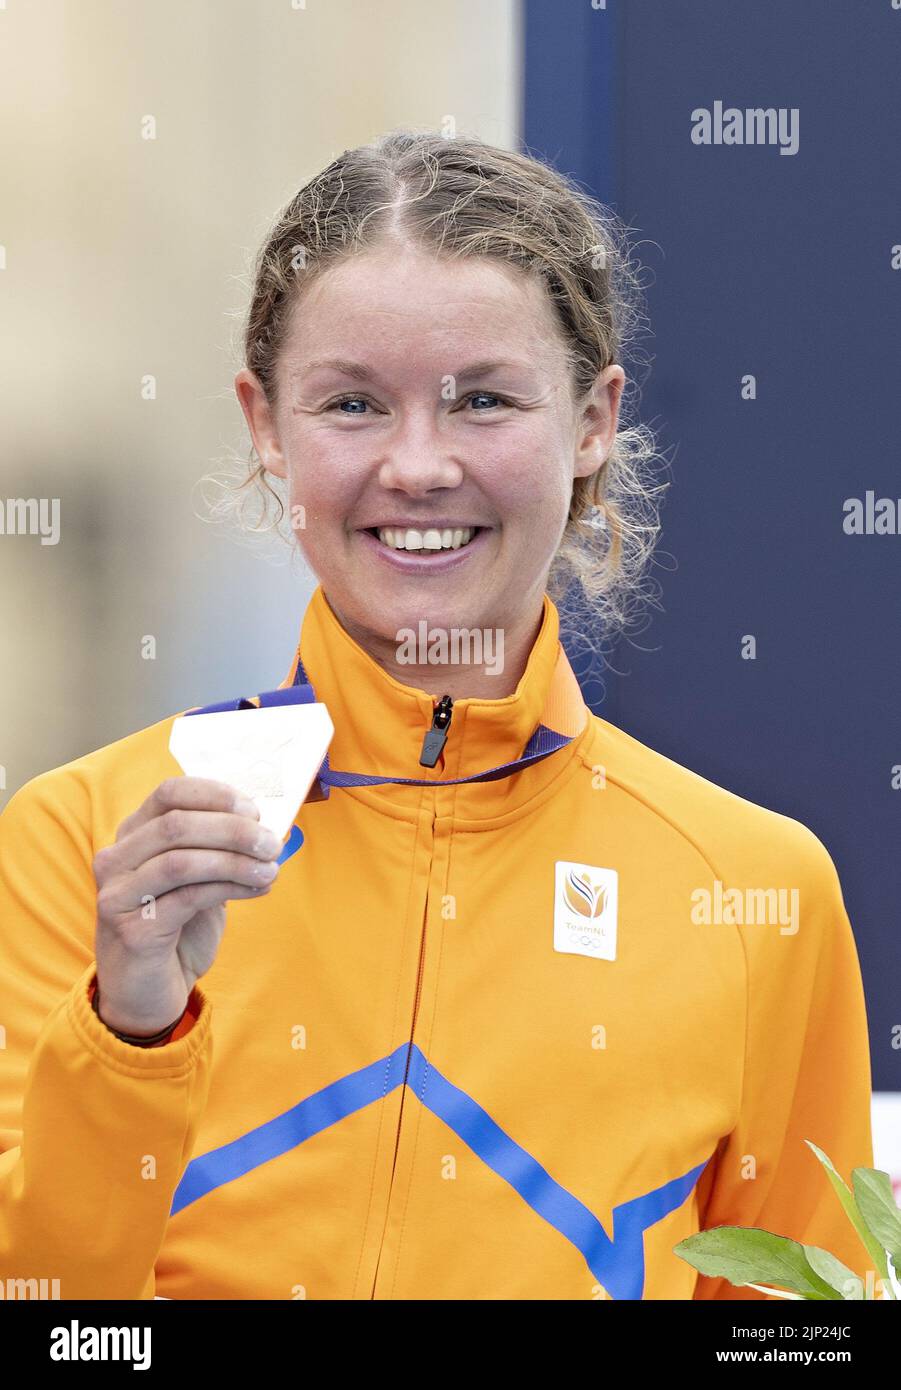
x: 126, y: 258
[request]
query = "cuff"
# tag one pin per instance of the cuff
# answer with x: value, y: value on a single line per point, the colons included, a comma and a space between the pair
x: 173, y: 1057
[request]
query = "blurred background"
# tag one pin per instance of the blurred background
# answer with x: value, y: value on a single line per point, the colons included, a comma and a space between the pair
x: 145, y: 150
x: 127, y: 264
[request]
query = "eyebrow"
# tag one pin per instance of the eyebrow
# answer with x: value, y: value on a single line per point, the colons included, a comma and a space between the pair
x: 358, y: 372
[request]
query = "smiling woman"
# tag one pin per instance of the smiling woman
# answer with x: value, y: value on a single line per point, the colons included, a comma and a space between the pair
x: 420, y: 453
x: 473, y: 1039
x: 432, y: 346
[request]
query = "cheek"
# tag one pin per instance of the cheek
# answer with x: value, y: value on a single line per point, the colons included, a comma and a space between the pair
x: 320, y: 483
x: 529, y: 481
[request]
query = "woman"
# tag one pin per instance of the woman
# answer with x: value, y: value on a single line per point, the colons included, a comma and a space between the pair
x: 509, y: 1026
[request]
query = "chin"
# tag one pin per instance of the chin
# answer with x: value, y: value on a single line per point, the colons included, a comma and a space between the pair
x: 408, y: 613
x: 386, y: 614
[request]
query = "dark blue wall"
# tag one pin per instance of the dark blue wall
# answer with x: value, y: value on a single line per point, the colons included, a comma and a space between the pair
x: 779, y: 266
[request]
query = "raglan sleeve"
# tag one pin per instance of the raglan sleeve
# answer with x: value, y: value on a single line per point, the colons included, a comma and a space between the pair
x: 95, y: 1133
x: 806, y: 1071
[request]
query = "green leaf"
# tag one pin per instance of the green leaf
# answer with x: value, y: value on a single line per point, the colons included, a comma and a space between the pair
x: 843, y: 1192
x: 776, y: 1293
x: 838, y: 1276
x: 876, y: 1202
x: 743, y: 1254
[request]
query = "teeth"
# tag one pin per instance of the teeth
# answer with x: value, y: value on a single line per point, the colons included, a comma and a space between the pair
x: 428, y: 540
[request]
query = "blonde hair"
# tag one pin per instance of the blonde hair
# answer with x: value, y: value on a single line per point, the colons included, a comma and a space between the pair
x: 462, y: 197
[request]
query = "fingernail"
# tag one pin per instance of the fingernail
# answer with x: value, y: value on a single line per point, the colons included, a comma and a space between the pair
x: 267, y: 843
x: 265, y: 871
x: 245, y: 807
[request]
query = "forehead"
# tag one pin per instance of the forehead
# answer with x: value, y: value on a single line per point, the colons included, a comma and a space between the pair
x: 389, y: 298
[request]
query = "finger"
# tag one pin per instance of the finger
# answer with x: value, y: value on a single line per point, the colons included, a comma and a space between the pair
x: 178, y: 868
x: 189, y: 794
x: 185, y: 829
x: 173, y: 910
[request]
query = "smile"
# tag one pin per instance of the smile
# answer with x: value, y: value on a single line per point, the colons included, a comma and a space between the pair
x: 403, y: 538
x: 425, y: 551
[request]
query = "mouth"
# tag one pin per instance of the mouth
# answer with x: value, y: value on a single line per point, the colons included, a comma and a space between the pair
x: 429, y: 550
x: 424, y: 542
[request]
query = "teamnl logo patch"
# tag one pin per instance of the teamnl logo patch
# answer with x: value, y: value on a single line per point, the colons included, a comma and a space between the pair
x: 585, y: 910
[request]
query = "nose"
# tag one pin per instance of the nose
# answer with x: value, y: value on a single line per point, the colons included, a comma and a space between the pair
x: 417, y: 461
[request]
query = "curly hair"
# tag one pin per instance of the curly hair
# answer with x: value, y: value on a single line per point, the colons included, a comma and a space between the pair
x: 462, y: 197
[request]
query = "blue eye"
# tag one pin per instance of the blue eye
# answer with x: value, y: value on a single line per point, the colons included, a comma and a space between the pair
x: 362, y: 401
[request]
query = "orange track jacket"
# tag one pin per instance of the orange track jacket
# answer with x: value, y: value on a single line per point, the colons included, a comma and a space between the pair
x: 501, y: 1040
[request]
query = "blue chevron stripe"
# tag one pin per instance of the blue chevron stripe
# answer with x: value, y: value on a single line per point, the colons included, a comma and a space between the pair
x: 632, y: 1219
x: 617, y: 1263
x: 286, y: 1131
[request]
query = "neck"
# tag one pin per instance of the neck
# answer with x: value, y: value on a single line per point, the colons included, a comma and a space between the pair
x: 486, y: 663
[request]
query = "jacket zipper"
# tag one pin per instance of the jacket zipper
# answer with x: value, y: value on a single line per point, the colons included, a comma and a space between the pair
x: 432, y: 744
x: 432, y: 747
x: 436, y: 733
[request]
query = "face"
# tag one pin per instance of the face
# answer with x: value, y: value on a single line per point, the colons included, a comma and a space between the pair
x: 421, y: 402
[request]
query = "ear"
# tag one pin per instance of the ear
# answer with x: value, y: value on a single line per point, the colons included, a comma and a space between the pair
x: 260, y: 422
x: 596, y: 428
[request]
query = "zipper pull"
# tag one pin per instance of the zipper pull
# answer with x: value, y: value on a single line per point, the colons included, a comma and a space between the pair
x: 436, y: 736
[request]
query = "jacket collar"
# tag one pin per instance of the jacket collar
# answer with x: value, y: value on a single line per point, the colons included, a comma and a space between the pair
x: 380, y: 723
